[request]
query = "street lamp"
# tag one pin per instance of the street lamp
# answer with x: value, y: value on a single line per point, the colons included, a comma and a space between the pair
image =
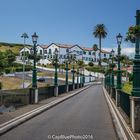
x: 67, y: 86
x: 136, y: 61
x: 112, y: 55
x: 119, y: 41
x: 55, y: 75
x: 83, y: 79
x: 34, y: 76
x: 77, y: 77
x: 24, y: 36
x: 56, y: 66
x: 73, y: 78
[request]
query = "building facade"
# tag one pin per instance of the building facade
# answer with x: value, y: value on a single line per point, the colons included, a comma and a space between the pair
x: 79, y: 53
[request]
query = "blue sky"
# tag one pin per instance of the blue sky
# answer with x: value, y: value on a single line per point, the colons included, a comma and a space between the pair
x: 65, y: 21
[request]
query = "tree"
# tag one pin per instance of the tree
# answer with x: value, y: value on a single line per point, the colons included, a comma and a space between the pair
x: 100, y: 32
x: 10, y: 57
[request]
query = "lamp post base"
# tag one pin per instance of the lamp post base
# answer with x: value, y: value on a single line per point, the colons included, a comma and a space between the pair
x: 135, y: 113
x: 67, y: 88
x: 118, y: 97
x: 73, y: 86
x: 56, y: 91
x: 36, y: 95
x: 33, y: 96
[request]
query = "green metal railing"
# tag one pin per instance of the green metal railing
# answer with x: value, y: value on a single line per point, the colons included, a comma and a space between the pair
x: 125, y: 102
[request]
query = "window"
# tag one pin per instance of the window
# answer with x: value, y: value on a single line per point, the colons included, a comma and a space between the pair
x: 67, y: 50
x: 80, y: 52
x: 104, y: 55
x: 45, y: 51
x: 89, y: 53
x: 50, y: 51
x: 41, y: 52
x: 60, y: 56
x: 84, y: 52
x: 93, y: 53
x: 56, y: 50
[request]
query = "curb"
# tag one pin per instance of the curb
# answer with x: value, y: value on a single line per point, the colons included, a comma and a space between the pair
x: 22, y: 118
x: 118, y: 119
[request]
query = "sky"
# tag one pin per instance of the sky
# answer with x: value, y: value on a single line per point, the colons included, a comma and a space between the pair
x: 67, y: 21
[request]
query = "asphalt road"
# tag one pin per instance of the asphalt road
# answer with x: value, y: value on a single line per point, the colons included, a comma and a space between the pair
x: 83, y: 117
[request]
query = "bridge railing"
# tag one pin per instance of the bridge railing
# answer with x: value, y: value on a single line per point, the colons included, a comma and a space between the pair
x: 21, y: 97
x: 120, y: 98
x: 125, y: 102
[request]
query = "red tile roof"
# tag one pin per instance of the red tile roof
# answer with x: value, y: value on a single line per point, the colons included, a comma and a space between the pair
x: 87, y: 49
x: 64, y: 45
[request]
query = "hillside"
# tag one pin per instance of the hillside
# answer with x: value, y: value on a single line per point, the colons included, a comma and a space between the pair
x: 11, y: 46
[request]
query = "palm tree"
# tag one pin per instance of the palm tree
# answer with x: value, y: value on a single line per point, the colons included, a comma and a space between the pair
x: 100, y: 32
x: 95, y: 48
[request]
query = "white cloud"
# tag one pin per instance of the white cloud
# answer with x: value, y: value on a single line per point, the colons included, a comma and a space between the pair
x: 126, y: 49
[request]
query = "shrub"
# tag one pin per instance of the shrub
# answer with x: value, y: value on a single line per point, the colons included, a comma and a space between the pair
x: 19, y: 69
x: 7, y: 70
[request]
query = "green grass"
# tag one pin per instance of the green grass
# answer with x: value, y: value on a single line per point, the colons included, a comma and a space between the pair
x: 95, y: 68
x: 15, y: 48
x: 127, y: 87
x: 60, y: 75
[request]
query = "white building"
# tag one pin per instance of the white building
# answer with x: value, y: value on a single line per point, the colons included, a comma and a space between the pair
x: 80, y: 53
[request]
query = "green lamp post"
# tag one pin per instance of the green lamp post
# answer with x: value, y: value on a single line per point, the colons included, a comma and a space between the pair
x: 67, y: 86
x: 55, y: 74
x: 112, y: 79
x: 56, y: 66
x: 77, y: 77
x: 105, y: 77
x: 80, y: 79
x: 24, y: 36
x: 119, y: 80
x: 83, y: 79
x: 109, y: 72
x: 136, y: 66
x: 34, y: 77
x: 73, y: 78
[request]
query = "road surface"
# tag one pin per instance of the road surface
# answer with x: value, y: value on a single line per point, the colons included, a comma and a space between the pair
x: 85, y: 116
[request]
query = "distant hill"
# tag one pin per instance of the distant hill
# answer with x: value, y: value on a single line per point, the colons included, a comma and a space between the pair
x: 15, y: 47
